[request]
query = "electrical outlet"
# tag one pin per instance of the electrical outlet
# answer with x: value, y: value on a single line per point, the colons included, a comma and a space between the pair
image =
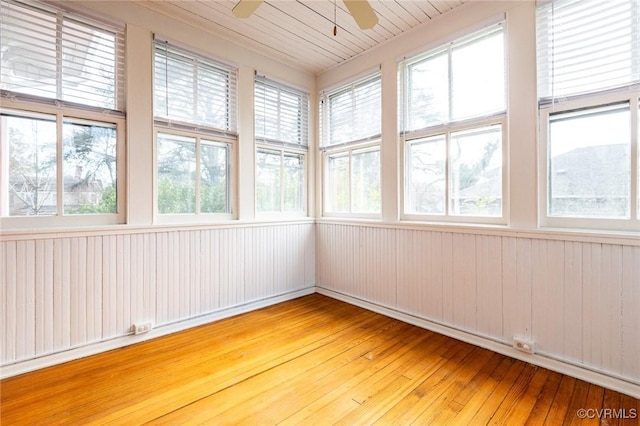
x: 523, y: 345
x: 144, y: 327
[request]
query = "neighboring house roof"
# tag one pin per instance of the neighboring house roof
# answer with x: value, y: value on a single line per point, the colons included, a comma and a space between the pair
x: 71, y: 184
x: 594, y: 171
x: 490, y: 185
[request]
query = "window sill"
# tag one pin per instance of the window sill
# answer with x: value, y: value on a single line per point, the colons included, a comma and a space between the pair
x: 629, y: 238
x: 16, y: 234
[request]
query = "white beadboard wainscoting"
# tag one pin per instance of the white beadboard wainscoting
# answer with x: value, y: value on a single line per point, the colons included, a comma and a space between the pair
x: 63, y: 296
x: 577, y: 299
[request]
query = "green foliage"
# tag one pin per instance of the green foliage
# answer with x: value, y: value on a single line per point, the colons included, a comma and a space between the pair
x: 107, y: 204
x: 213, y: 198
x: 267, y: 196
x: 175, y: 196
x: 480, y: 205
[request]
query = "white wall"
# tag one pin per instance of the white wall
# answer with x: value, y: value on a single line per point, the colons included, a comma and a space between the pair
x: 576, y: 295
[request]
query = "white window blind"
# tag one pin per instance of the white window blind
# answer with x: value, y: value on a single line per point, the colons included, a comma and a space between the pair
x: 49, y: 54
x: 586, y: 46
x: 192, y: 89
x: 281, y: 113
x: 461, y: 80
x: 352, y: 113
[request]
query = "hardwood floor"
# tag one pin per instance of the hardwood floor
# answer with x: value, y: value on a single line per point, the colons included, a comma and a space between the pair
x: 313, y: 360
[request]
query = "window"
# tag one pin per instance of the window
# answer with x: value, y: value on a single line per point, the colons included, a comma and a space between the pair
x: 351, y: 130
x: 588, y: 75
x: 280, y: 181
x: 61, y: 140
x: 192, y: 174
x: 195, y: 120
x: 453, y: 118
x: 281, y: 132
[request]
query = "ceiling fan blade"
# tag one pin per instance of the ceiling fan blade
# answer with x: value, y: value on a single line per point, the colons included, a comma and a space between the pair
x: 363, y: 13
x: 244, y: 8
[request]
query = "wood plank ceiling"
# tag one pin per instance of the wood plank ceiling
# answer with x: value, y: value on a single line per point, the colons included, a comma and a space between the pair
x: 300, y: 32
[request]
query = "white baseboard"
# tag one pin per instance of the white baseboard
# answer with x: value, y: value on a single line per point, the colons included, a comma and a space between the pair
x: 542, y: 360
x: 129, y: 339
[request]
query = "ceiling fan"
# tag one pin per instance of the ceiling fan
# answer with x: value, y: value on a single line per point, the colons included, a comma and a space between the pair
x: 361, y: 11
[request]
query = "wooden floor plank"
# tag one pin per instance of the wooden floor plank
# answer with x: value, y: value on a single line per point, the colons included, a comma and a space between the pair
x: 578, y: 400
x: 631, y: 410
x: 611, y: 401
x: 313, y: 360
x: 517, y: 406
x: 128, y: 362
x: 377, y: 395
x: 259, y: 397
x: 449, y: 387
x: 324, y: 398
x: 462, y: 391
x: 109, y: 375
x: 560, y: 406
x: 545, y: 398
x: 434, y: 371
x: 479, y: 397
x: 248, y: 360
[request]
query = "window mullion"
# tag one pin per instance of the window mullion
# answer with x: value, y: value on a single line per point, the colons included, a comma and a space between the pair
x: 59, y: 33
x: 635, y: 158
x: 166, y: 78
x: 447, y: 174
x: 282, y: 179
x: 195, y: 92
x: 279, y: 114
x: 4, y: 169
x: 229, y: 184
x: 59, y: 164
x: 405, y: 101
x: 198, y: 159
x: 324, y: 121
x: 635, y: 42
x: 450, y: 80
x: 407, y: 174
x: 350, y: 177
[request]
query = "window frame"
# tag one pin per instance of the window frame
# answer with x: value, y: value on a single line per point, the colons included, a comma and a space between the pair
x: 446, y: 131
x: 28, y: 110
x: 304, y: 198
x: 197, y: 216
x: 602, y: 93
x: 62, y: 111
x: 591, y: 223
x: 198, y: 61
x: 369, y: 146
x: 264, y: 142
x: 61, y: 17
x: 166, y: 124
x: 370, y: 142
x: 449, y: 126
